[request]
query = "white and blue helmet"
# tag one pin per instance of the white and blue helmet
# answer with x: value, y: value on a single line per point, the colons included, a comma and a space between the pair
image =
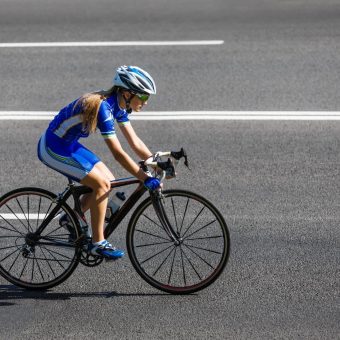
x: 134, y: 79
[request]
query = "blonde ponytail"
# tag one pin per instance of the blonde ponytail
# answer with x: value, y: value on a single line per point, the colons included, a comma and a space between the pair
x: 89, y: 104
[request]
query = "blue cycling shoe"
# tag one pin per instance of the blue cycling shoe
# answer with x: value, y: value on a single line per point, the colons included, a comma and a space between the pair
x: 106, y: 250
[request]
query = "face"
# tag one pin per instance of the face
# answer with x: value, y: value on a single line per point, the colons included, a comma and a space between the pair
x: 136, y: 104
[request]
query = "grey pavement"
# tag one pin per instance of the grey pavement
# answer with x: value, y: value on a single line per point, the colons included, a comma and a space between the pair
x: 276, y: 183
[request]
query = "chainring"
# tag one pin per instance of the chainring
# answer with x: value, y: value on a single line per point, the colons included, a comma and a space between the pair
x: 90, y: 260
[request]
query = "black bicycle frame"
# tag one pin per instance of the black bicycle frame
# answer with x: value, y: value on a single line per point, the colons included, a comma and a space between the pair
x: 128, y: 205
x: 116, y: 218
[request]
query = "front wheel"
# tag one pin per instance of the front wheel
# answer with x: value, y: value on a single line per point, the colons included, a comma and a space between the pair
x: 195, y: 259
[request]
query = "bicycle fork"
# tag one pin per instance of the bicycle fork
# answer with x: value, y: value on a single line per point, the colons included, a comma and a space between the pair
x: 157, y: 201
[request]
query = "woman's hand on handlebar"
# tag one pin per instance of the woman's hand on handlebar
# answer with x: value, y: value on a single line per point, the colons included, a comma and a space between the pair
x: 152, y: 183
x: 164, y: 169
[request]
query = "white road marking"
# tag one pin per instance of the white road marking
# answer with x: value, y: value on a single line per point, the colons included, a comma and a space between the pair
x: 194, y: 115
x: 21, y: 216
x: 111, y: 43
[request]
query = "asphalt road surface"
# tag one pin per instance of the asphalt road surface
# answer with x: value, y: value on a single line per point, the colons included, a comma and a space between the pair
x: 276, y: 183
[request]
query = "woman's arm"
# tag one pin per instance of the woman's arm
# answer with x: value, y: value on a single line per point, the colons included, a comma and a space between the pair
x: 124, y: 159
x: 136, y: 144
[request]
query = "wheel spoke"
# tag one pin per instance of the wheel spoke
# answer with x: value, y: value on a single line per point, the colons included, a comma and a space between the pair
x: 202, y: 238
x: 47, y: 262
x: 153, y: 222
x: 54, y: 231
x: 162, y: 251
x: 17, y: 236
x: 183, y: 268
x: 59, y: 227
x: 22, y: 210
x: 14, y: 229
x: 208, y: 250
x: 172, y: 266
x: 51, y: 260
x: 12, y: 236
x: 144, y: 232
x: 40, y: 271
x: 17, y: 217
x: 9, y: 255
x: 191, y: 264
x: 200, y: 257
x: 156, y: 271
x: 48, y: 210
x: 16, y: 246
x: 55, y: 252
x: 152, y: 244
x: 55, y: 258
x: 207, y: 225
x: 193, y: 221
x: 14, y: 261
x: 23, y: 269
x: 32, y: 270
x: 28, y: 214
x: 38, y: 213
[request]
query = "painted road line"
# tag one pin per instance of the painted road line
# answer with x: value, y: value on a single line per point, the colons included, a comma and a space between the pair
x: 111, y: 43
x: 193, y: 115
x: 21, y: 216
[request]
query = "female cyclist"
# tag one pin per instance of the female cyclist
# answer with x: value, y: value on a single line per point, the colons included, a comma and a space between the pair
x: 60, y: 150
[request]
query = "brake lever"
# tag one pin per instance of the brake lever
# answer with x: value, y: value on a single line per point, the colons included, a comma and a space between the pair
x: 143, y: 166
x: 179, y: 154
x: 186, y: 163
x: 184, y: 154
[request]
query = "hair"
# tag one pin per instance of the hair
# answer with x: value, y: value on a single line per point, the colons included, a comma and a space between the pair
x: 89, y: 104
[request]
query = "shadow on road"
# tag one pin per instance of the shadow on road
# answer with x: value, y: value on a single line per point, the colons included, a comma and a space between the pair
x: 10, y: 292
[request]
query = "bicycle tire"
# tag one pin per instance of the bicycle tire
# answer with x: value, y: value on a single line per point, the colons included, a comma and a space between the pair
x: 145, y: 235
x: 43, y: 265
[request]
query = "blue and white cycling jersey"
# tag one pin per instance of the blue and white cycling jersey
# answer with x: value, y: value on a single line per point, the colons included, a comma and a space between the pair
x: 68, y: 123
x: 59, y: 148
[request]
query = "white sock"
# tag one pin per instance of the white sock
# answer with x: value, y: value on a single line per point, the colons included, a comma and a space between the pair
x: 99, y: 243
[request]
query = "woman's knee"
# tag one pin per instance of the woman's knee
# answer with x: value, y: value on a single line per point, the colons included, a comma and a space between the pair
x: 103, y: 185
x: 97, y: 182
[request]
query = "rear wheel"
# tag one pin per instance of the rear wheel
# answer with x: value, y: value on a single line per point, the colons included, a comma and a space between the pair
x: 28, y: 261
x: 198, y: 256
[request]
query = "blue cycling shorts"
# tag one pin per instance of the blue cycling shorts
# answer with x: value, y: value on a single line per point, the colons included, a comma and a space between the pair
x: 70, y: 159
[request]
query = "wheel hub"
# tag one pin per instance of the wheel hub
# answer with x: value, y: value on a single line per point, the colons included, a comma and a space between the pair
x: 179, y: 241
x: 31, y: 239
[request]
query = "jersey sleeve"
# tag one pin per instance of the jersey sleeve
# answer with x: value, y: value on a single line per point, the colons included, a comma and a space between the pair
x: 122, y: 118
x: 105, y: 120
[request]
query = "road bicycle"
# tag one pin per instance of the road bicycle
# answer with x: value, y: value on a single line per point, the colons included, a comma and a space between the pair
x: 177, y: 240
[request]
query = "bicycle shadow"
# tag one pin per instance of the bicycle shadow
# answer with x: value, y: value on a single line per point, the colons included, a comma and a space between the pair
x: 11, y: 292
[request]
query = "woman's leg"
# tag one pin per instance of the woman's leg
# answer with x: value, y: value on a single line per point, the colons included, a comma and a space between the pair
x: 97, y: 200
x: 106, y: 173
x: 81, y: 164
